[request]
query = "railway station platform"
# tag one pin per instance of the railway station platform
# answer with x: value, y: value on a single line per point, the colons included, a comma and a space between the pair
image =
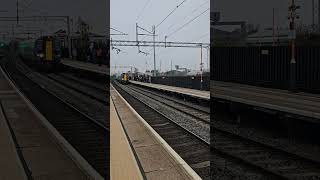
x: 139, y: 149
x: 103, y: 69
x: 300, y: 104
x: 30, y: 147
x: 184, y: 91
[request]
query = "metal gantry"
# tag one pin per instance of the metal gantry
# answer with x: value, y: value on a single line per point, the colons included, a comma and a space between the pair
x: 147, y: 33
x: 164, y: 44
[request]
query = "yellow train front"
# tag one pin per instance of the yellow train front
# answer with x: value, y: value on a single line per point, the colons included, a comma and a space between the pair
x: 124, y: 78
x: 43, y: 53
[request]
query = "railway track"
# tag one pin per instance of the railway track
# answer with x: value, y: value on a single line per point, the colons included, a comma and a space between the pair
x: 89, y: 138
x: 257, y: 160
x: 197, y: 112
x: 97, y: 108
x: 194, y: 150
x: 218, y: 155
x: 198, y: 126
x: 89, y: 100
x: 90, y: 83
x: 84, y: 87
x: 268, y: 160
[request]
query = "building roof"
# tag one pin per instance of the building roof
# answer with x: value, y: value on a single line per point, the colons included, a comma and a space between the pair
x: 268, y: 36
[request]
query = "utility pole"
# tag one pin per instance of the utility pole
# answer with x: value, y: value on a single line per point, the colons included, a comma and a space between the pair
x: 201, y: 68
x: 71, y: 19
x: 68, y: 38
x: 12, y: 32
x: 313, y: 14
x: 277, y: 17
x: 319, y: 15
x: 154, y: 50
x: 17, y: 11
x: 292, y: 17
x: 137, y: 37
x: 149, y: 33
x: 208, y: 49
x: 273, y: 28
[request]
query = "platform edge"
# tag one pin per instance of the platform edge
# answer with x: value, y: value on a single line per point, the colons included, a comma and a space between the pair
x: 190, y: 172
x: 57, y: 137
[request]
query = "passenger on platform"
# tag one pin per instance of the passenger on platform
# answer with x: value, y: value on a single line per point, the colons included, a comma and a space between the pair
x: 104, y: 54
x: 99, y: 55
x: 91, y: 50
x: 78, y: 54
x: 88, y: 55
x: 144, y: 78
x: 74, y: 53
x: 94, y: 54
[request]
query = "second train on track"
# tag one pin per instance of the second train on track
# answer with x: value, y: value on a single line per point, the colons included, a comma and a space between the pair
x: 44, y: 53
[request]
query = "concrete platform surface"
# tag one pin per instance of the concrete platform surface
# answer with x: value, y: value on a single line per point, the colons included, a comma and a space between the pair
x: 86, y: 66
x: 158, y: 162
x: 303, y: 104
x: 121, y: 155
x: 186, y: 91
x: 44, y: 158
x: 10, y: 164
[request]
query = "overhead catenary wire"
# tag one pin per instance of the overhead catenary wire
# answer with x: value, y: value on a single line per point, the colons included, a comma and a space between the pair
x: 168, y: 17
x: 195, y: 39
x: 171, y: 13
x: 200, y: 37
x: 185, y: 17
x: 196, y: 9
x: 118, y: 31
x: 177, y: 30
x: 25, y: 6
x: 144, y: 7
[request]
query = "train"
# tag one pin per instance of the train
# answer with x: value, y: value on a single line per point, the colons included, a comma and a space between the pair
x: 124, y: 78
x: 44, y: 53
x: 3, y: 49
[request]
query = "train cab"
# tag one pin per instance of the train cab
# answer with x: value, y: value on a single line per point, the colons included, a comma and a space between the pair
x: 47, y: 49
x: 125, y: 78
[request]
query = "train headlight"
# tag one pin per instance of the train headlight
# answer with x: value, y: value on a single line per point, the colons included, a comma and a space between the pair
x: 40, y: 55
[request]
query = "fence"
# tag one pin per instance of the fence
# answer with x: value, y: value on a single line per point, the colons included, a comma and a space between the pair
x: 266, y: 66
x: 192, y: 82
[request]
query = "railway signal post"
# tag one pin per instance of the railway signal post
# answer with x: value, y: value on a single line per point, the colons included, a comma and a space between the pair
x: 292, y: 17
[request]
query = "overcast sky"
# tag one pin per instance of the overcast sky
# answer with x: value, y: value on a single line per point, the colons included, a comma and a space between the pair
x: 94, y: 12
x: 125, y: 13
x: 260, y: 11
